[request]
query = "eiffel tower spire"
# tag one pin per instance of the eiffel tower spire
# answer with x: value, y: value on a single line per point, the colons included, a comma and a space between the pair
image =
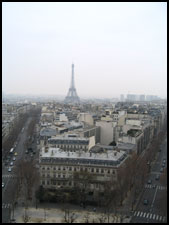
x: 72, y: 96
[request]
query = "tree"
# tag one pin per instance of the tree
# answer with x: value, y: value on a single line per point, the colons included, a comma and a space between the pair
x: 27, y: 175
x: 130, y: 167
x: 163, y: 178
x: 86, y: 218
x: 69, y: 217
x: 25, y: 216
x: 121, y: 185
x: 40, y: 193
x: 82, y: 181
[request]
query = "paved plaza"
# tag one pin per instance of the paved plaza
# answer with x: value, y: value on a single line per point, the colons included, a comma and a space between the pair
x: 53, y: 215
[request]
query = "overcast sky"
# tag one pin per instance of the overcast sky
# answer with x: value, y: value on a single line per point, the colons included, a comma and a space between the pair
x: 117, y: 48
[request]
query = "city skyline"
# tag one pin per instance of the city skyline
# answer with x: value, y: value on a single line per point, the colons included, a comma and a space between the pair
x: 40, y: 41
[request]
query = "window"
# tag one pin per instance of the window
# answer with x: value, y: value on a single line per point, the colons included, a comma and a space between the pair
x: 74, y: 168
x: 43, y: 168
x: 48, y: 182
x: 54, y: 168
x: 58, y: 168
x: 86, y: 169
x: 69, y: 183
x: 43, y: 175
x: 43, y: 182
x: 70, y: 168
x: 81, y: 169
x: 54, y: 182
x: 63, y: 168
x: 92, y: 170
x: 48, y: 168
x: 108, y: 171
x: 58, y: 175
x: 102, y: 171
x: 48, y: 175
x: 113, y: 172
x: 54, y: 175
x: 97, y: 170
x: 63, y: 176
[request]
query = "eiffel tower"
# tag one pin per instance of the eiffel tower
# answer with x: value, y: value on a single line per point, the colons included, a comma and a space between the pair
x: 72, y: 96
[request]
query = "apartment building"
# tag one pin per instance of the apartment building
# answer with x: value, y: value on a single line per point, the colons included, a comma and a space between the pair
x: 72, y: 142
x: 58, y: 168
x: 111, y: 126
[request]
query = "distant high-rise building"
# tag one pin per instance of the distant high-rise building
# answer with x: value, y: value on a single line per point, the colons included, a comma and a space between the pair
x: 131, y: 97
x: 72, y: 96
x: 142, y: 97
x: 152, y: 97
x: 122, y: 98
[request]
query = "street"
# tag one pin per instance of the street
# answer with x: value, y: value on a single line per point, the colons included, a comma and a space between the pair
x: 152, y: 213
x: 8, y: 178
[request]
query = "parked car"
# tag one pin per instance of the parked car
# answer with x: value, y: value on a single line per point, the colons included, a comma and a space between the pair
x: 14, y: 158
x: 11, y: 163
x: 149, y: 182
x: 9, y: 169
x: 30, y: 149
x: 161, y: 170
x: 15, y: 153
x: 3, y: 185
x: 164, y: 161
x: 145, y: 202
x: 163, y: 165
x: 157, y: 177
x: 26, y: 152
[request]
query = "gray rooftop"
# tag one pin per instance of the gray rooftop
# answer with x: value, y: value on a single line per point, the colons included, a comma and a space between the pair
x: 56, y: 155
x: 48, y: 132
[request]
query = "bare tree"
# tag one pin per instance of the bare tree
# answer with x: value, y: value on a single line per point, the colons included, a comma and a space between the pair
x: 27, y: 176
x: 120, y: 184
x: 69, y: 217
x: 102, y: 218
x: 163, y: 178
x: 82, y: 181
x: 86, y: 218
x: 25, y: 217
x: 162, y: 203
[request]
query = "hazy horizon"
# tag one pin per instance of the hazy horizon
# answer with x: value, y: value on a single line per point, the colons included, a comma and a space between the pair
x: 117, y: 48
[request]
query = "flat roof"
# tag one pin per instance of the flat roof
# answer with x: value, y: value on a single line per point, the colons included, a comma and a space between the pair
x: 69, y: 138
x: 58, y: 153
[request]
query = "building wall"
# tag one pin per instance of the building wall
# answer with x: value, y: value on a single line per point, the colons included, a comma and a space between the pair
x: 73, y: 146
x: 106, y: 132
x: 95, y: 131
x: 63, y: 117
x: 61, y: 176
x: 133, y: 122
x: 86, y: 117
